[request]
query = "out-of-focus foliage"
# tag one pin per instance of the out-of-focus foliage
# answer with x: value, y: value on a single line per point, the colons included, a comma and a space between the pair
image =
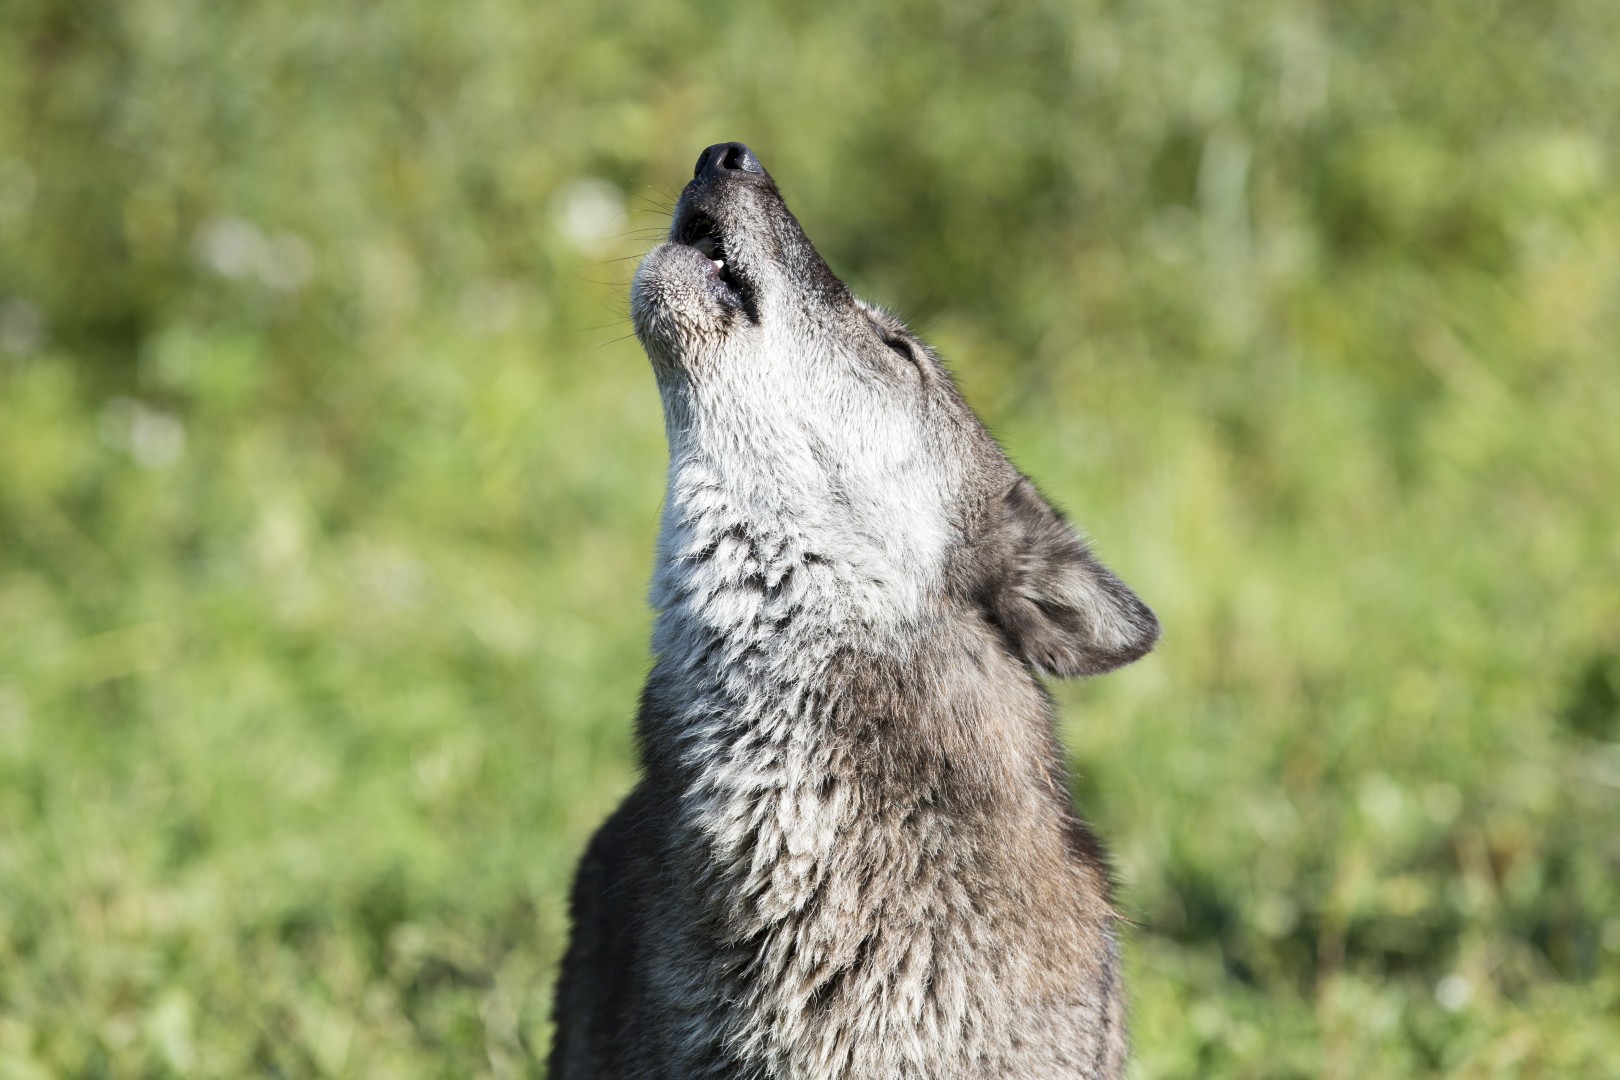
x: 328, y: 486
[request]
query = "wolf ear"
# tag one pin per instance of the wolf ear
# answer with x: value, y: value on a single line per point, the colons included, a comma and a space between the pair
x: 1061, y: 609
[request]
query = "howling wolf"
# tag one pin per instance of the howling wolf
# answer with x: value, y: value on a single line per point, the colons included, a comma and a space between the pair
x: 853, y: 851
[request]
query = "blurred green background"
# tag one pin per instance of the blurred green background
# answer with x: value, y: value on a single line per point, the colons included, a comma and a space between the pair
x: 329, y: 481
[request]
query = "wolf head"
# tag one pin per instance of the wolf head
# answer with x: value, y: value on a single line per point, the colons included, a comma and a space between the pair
x: 808, y: 428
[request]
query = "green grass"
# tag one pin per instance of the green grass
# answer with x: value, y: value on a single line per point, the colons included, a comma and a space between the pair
x: 328, y: 487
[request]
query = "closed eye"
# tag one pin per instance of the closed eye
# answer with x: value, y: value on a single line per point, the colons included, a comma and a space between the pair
x: 904, y: 349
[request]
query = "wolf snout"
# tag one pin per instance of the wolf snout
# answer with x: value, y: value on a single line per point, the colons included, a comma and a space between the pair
x: 723, y: 159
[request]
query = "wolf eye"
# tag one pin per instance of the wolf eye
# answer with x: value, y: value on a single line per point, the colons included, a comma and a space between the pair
x: 903, y: 348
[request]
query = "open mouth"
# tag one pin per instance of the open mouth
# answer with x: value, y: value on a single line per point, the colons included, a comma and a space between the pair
x: 700, y: 231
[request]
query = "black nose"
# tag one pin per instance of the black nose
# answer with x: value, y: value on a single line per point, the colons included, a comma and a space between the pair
x: 726, y: 157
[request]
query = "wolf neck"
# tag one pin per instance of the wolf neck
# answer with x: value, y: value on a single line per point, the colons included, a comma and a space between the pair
x: 786, y: 625
x: 776, y: 511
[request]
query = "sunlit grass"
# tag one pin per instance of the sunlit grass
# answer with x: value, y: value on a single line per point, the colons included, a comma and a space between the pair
x: 328, y: 487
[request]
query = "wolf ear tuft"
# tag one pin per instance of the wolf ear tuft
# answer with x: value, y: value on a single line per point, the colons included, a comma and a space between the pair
x: 1060, y: 608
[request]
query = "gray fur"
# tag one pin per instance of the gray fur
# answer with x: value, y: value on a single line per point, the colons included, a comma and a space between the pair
x: 853, y: 851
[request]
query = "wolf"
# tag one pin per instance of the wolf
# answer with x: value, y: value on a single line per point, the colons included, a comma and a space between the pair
x: 852, y: 851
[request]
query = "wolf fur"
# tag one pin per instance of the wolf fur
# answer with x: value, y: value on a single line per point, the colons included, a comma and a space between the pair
x: 852, y: 852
